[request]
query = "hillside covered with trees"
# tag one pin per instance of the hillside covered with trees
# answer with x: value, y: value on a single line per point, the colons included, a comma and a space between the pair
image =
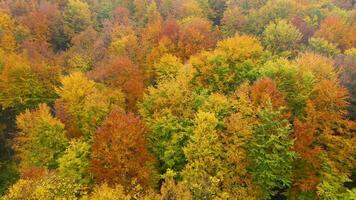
x: 177, y: 99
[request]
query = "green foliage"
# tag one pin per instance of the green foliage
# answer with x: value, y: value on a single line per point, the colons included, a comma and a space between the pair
x: 322, y: 46
x: 169, y: 135
x: 8, y: 175
x: 271, y: 152
x: 103, y: 11
x: 332, y: 186
x: 217, y: 104
x: 41, y: 142
x: 76, y: 17
x: 281, y: 37
x: 201, y: 93
x: 78, y: 63
x: 273, y: 10
x: 297, y: 85
x: 168, y: 67
x: 168, y: 111
x: 74, y: 163
x: 234, y: 60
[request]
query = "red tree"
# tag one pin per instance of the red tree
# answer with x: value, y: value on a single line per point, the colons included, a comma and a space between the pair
x: 303, y: 27
x: 123, y: 74
x: 119, y: 152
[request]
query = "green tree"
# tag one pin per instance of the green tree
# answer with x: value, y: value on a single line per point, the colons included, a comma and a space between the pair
x: 322, y: 46
x: 234, y: 60
x: 74, y: 163
x: 281, y: 37
x: 167, y: 67
x: 168, y: 111
x: 76, y: 16
x: 258, y: 19
x: 295, y: 84
x: 270, y: 150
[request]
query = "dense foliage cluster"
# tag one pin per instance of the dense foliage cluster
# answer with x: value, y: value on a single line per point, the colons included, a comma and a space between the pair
x: 177, y: 99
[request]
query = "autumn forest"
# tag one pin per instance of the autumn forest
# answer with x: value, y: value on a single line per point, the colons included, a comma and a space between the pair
x: 178, y: 99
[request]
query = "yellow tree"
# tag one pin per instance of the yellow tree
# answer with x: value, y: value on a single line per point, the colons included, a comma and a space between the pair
x: 23, y: 85
x: 41, y: 139
x: 84, y: 104
x: 234, y: 61
x: 7, y: 36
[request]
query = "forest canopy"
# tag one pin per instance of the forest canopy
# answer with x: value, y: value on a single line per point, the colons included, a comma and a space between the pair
x: 177, y: 99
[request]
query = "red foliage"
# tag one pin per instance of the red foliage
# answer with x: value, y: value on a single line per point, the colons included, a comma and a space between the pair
x: 119, y: 153
x: 303, y: 27
x: 39, y: 52
x: 170, y: 30
x: 38, y: 23
x: 67, y: 119
x: 121, y: 16
x: 123, y: 74
x: 33, y: 173
x: 324, y: 130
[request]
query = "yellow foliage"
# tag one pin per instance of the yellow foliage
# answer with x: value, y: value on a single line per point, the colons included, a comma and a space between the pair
x: 84, y: 104
x: 22, y: 189
x: 104, y: 192
x: 119, y: 46
x: 78, y: 63
x: 48, y: 187
x: 33, y: 142
x: 7, y: 38
x: 241, y: 48
x: 320, y: 66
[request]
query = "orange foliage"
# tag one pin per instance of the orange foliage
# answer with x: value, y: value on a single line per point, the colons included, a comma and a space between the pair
x: 266, y: 90
x: 304, y: 134
x: 119, y: 152
x: 335, y: 30
x: 195, y: 36
x: 39, y: 53
x: 33, y: 173
x: 170, y: 30
x: 123, y: 74
x: 121, y: 16
x: 324, y: 131
x: 38, y: 23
